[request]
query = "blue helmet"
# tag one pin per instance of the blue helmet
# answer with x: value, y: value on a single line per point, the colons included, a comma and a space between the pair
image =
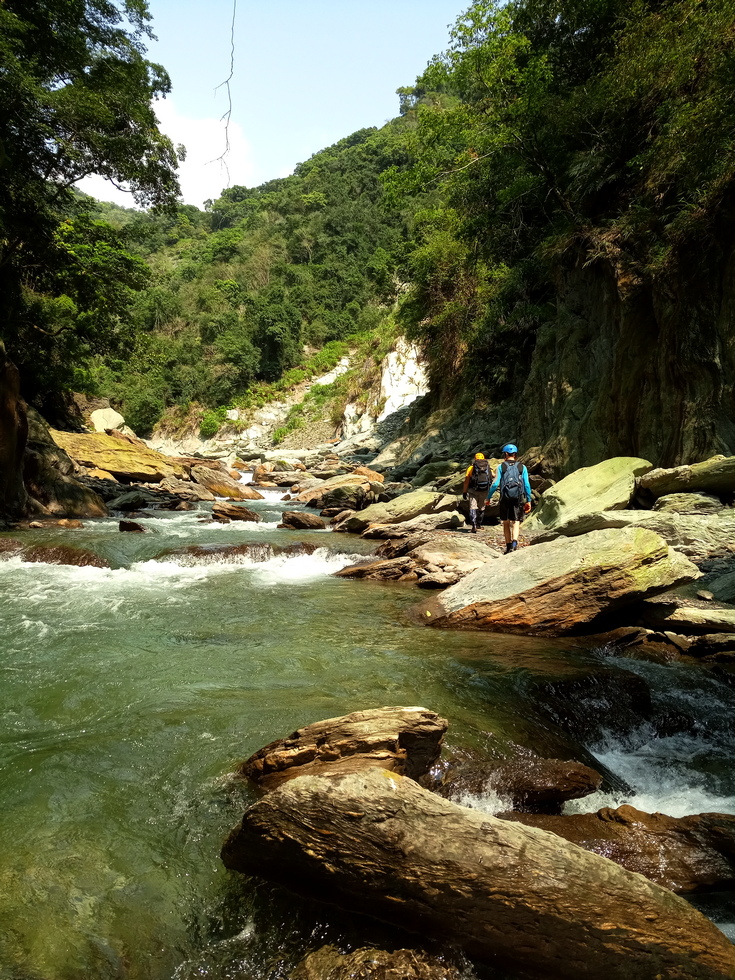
x: 510, y: 449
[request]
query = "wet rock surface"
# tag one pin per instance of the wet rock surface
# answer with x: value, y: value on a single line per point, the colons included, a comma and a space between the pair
x: 328, y: 963
x: 562, y: 586
x: 379, y: 844
x: 402, y: 740
x: 686, y: 854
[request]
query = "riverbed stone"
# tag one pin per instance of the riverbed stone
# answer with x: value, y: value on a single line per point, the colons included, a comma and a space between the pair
x: 218, y: 482
x: 608, y: 485
x: 514, y: 896
x: 447, y: 520
x: 403, y: 508
x: 106, y: 418
x: 223, y: 511
x: 381, y: 570
x: 62, y: 554
x: 715, y: 476
x: 369, y: 963
x: 297, y: 520
x: 698, y: 536
x: 403, y: 740
x: 561, y: 586
x: 684, y: 854
x: 528, y: 782
x: 323, y: 488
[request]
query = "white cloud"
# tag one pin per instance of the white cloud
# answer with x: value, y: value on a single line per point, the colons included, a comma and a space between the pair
x: 202, y: 175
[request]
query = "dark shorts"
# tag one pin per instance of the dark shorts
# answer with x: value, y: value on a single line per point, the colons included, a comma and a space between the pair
x: 510, y: 510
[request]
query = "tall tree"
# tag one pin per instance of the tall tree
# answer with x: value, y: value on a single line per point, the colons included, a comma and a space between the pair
x: 76, y: 97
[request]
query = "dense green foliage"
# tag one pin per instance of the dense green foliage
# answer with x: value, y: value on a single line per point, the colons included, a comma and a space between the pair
x: 75, y: 99
x: 551, y: 133
x: 580, y: 131
x: 245, y: 295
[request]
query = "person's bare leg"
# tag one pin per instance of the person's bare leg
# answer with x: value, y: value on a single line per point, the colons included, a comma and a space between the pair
x: 507, y: 532
x: 515, y: 527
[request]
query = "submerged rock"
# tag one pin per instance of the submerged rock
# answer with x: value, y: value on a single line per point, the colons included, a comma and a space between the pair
x: 404, y: 740
x: 64, y: 555
x: 529, y: 783
x: 685, y: 854
x: 562, y: 586
x: 403, y: 508
x: 328, y: 963
x: 376, y: 843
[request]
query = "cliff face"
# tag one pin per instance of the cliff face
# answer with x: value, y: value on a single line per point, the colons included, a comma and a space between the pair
x: 13, y: 438
x: 637, y: 368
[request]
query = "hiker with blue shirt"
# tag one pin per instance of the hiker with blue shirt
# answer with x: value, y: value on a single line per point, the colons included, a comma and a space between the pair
x: 515, y: 495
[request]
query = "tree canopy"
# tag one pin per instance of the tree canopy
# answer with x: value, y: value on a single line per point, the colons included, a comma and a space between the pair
x: 76, y: 98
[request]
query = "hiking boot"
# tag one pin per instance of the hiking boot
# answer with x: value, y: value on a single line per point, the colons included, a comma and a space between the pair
x: 514, y: 546
x: 508, y: 547
x: 474, y: 528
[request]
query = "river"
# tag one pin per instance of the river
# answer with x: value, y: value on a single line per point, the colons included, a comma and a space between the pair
x: 130, y: 693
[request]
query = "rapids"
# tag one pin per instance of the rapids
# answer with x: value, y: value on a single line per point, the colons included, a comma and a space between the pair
x: 129, y: 694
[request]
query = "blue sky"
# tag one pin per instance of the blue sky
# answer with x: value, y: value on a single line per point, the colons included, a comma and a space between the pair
x: 306, y: 74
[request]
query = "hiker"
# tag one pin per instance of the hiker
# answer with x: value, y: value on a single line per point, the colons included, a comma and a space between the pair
x: 476, y: 483
x: 515, y: 495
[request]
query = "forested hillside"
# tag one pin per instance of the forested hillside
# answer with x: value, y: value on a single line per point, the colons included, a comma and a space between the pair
x: 261, y: 282
x: 549, y: 217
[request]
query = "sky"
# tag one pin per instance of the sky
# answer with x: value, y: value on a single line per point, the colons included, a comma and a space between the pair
x: 307, y: 73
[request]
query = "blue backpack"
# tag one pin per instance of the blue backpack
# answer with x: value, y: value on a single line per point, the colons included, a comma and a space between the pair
x: 511, y: 482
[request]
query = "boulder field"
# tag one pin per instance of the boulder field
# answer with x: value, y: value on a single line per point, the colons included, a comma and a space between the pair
x: 349, y: 818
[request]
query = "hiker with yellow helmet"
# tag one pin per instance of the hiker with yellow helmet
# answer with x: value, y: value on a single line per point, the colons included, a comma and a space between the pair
x: 476, y: 482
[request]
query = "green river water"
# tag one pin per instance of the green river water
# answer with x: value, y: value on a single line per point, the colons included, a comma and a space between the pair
x: 130, y: 693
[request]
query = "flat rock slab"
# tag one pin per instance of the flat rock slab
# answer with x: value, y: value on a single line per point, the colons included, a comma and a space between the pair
x: 324, y: 486
x: 124, y: 457
x: 608, y: 485
x: 686, y: 854
x: 689, y: 503
x: 403, y: 740
x: 562, y: 586
x: 376, y: 843
x: 682, y: 618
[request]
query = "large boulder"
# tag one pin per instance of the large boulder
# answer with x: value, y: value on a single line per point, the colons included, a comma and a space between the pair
x: 689, y: 503
x: 377, y: 843
x: 48, y: 473
x: 698, y: 536
x: 682, y: 617
x: 221, y: 484
x: 13, y: 438
x: 126, y: 458
x: 403, y: 508
x: 685, y: 854
x: 447, y: 520
x: 608, y: 485
x: 225, y: 512
x: 715, y: 476
x: 562, y: 586
x: 404, y: 740
x: 106, y: 418
x: 297, y: 520
x: 325, y: 488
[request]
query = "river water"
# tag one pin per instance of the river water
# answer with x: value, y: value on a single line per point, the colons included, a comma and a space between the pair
x: 130, y: 693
